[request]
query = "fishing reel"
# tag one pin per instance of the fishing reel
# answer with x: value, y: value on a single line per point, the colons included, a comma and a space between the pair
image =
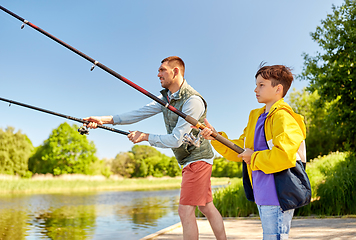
x: 191, y: 139
x: 83, y: 130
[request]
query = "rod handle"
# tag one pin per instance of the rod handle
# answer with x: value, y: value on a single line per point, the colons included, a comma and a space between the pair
x: 215, y: 135
x: 227, y: 143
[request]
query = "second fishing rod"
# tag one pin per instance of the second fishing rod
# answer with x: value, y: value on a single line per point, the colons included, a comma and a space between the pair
x: 82, y: 130
x: 188, y: 118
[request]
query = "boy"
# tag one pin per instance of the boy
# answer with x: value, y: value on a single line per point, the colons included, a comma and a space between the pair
x: 273, y: 140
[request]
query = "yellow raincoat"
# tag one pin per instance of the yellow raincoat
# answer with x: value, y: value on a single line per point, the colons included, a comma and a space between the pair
x: 285, y: 133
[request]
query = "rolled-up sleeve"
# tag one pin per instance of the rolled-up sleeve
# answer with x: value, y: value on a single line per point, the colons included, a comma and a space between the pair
x: 193, y: 107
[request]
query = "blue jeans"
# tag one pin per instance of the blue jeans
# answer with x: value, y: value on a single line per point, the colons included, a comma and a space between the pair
x: 275, y: 222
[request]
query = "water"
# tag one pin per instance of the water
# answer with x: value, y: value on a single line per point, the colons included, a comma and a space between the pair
x: 96, y: 215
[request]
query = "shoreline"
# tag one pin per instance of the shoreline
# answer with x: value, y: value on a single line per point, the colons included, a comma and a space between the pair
x: 311, y: 227
x: 81, y: 183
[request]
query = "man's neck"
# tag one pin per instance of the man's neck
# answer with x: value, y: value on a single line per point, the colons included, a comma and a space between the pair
x: 176, y: 85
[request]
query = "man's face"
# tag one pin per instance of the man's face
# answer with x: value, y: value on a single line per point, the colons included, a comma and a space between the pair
x: 265, y: 92
x: 165, y: 75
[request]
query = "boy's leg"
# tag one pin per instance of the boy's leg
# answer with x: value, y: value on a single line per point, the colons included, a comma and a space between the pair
x: 189, y: 223
x: 284, y: 222
x: 215, y: 220
x: 275, y: 223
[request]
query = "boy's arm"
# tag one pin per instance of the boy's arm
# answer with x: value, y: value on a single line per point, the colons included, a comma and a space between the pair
x: 227, y: 152
x: 286, y: 139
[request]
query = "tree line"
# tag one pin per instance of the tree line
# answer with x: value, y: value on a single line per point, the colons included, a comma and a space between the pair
x: 67, y: 152
x: 328, y: 105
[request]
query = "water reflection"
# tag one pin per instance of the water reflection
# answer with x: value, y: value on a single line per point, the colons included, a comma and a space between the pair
x: 98, y: 215
x: 67, y: 222
x: 13, y: 224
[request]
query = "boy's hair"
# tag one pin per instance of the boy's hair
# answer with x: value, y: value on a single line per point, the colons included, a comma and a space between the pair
x: 175, y: 61
x: 277, y: 74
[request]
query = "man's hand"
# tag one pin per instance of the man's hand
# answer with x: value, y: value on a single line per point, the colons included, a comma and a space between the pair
x: 137, y: 136
x: 94, y: 121
x: 246, y: 155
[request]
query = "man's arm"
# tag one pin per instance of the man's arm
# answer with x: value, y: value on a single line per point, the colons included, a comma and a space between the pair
x: 144, y: 112
x: 125, y: 118
x: 193, y: 107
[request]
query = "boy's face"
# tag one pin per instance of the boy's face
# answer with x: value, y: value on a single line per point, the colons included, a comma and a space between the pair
x: 265, y: 92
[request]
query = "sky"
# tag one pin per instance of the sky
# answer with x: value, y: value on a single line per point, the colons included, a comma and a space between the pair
x: 221, y: 42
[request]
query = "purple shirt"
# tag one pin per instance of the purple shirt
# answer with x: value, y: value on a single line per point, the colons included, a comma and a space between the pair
x: 264, y: 188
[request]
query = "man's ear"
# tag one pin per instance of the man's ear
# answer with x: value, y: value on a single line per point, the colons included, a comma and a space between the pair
x: 175, y: 71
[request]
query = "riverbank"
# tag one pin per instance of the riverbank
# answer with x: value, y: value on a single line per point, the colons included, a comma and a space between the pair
x: 250, y: 228
x: 81, y: 183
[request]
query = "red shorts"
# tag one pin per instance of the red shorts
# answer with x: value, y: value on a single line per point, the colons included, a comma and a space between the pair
x: 196, y: 185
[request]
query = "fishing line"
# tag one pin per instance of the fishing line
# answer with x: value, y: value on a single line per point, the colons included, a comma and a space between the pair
x: 188, y: 118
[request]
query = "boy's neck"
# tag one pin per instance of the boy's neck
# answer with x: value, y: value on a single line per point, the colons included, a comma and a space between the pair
x: 270, y: 104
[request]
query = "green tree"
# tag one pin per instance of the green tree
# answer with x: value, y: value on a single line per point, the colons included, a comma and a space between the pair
x: 15, y: 150
x: 123, y: 164
x: 332, y: 71
x: 173, y: 168
x: 321, y: 131
x: 148, y: 161
x: 142, y: 155
x: 65, y: 151
x: 143, y: 152
x: 225, y: 168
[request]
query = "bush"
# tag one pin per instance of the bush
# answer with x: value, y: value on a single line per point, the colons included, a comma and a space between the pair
x: 338, y: 192
x: 232, y: 202
x: 144, y: 161
x: 333, y: 181
x: 15, y: 150
x: 225, y: 168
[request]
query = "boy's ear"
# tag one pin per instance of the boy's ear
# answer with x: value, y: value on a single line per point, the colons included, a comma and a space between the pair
x: 279, y: 88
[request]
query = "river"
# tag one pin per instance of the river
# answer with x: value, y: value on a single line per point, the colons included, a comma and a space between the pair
x: 95, y: 215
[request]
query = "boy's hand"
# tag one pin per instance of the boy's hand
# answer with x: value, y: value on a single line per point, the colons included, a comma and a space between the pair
x: 207, y: 131
x: 246, y: 155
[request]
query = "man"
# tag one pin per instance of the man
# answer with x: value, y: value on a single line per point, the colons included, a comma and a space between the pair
x: 196, y: 162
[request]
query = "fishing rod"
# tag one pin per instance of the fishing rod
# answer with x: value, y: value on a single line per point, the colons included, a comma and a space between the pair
x: 82, y: 130
x: 186, y: 117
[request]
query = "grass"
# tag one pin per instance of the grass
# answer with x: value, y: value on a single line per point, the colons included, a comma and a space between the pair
x: 58, y: 185
x: 333, y: 182
x: 232, y: 202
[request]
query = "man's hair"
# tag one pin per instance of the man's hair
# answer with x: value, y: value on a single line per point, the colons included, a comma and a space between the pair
x: 175, y: 61
x: 277, y: 74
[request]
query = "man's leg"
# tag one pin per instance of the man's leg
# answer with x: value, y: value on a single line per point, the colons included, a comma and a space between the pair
x: 189, y: 223
x: 215, y: 220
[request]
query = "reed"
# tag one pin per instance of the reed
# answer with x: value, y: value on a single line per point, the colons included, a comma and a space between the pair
x: 333, y: 182
x: 77, y: 183
x: 337, y: 193
x: 232, y: 202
